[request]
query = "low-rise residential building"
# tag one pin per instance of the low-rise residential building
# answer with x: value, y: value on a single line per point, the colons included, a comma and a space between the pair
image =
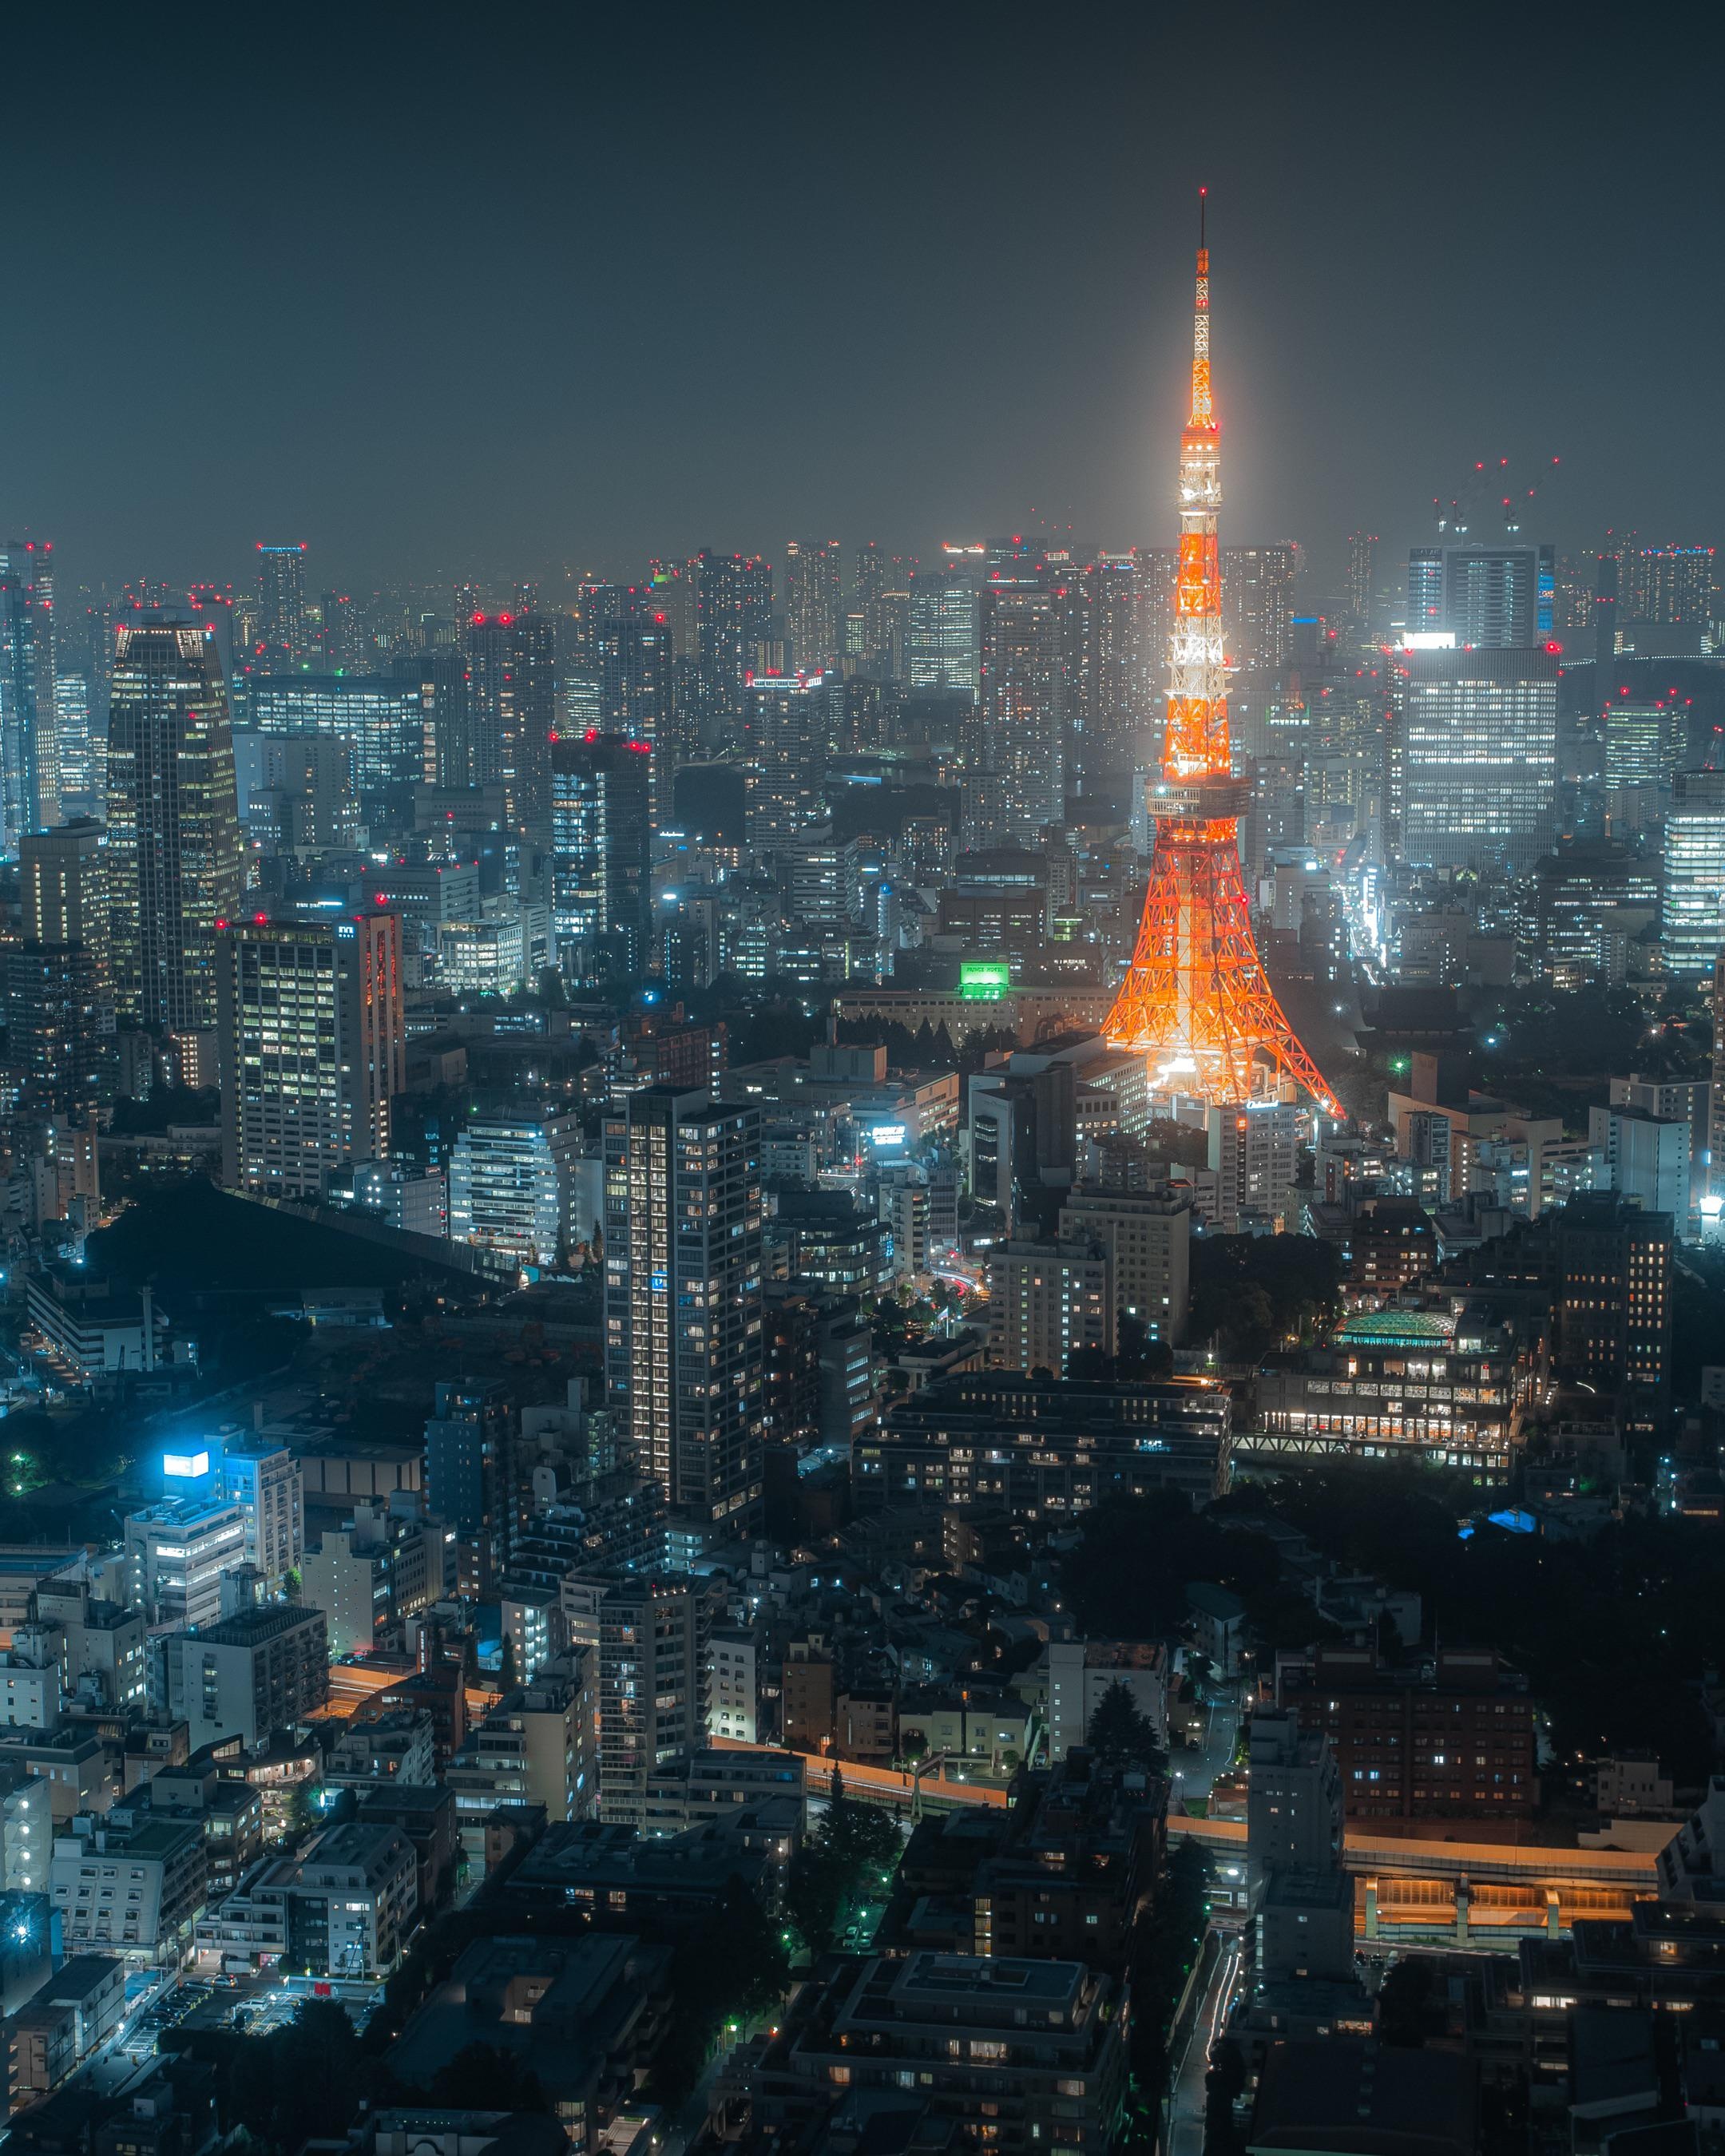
x: 130, y: 1884
x: 388, y: 1747
x: 734, y: 1701
x: 245, y: 1675
x: 1080, y: 1671
x: 583, y: 2016
x: 1018, y: 2054
x: 343, y: 1907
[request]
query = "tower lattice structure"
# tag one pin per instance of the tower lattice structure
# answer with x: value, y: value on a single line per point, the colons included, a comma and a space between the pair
x: 1197, y: 1000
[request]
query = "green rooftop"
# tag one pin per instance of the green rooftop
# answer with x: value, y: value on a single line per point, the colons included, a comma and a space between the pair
x: 1398, y: 1328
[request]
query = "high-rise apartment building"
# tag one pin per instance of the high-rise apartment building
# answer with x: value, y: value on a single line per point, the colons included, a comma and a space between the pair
x: 733, y: 621
x: 683, y: 1295
x: 1254, y: 1157
x: 812, y: 601
x: 1019, y: 788
x: 29, y: 762
x: 882, y: 581
x: 1258, y: 604
x: 1670, y: 584
x: 174, y: 871
x: 1362, y: 561
x: 1645, y: 1157
x: 313, y: 1049
x: 1048, y: 1301
x: 508, y: 713
x: 1479, y: 734
x: 1487, y: 598
x: 268, y: 1485
x: 1147, y: 1236
x: 511, y: 1175
x: 638, y: 689
x: 650, y: 1634
x: 601, y: 853
x: 284, y: 626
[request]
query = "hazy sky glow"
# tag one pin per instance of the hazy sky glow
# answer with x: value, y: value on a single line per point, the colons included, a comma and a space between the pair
x: 503, y: 294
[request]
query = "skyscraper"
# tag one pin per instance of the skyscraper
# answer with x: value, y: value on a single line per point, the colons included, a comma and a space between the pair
x: 383, y: 717
x: 1691, y: 910
x: 284, y: 628
x: 1670, y: 584
x: 682, y: 1296
x: 1480, y: 757
x: 1022, y: 751
x: 509, y: 712
x: 1362, y: 560
x: 601, y: 853
x: 29, y: 768
x: 787, y: 725
x: 174, y: 870
x: 812, y: 598
x: 733, y: 620
x: 637, y: 689
x: 312, y: 1049
x: 943, y: 648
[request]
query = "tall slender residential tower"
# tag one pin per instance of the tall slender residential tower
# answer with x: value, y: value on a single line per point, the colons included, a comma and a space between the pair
x: 174, y: 868
x: 1196, y: 1001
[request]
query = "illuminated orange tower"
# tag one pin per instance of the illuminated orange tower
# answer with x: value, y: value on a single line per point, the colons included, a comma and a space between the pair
x: 1196, y: 1000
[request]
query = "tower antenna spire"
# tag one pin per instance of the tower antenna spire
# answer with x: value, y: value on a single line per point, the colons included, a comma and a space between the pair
x: 1202, y: 204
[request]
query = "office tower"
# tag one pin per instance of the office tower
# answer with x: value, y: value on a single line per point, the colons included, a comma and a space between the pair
x: 1196, y: 998
x: 682, y: 1296
x: 177, y: 1551
x: 174, y: 873
x: 652, y: 1636
x: 1148, y: 1236
x: 1613, y: 1328
x: 284, y: 628
x: 1480, y: 757
x: 638, y: 690
x: 1646, y: 740
x: 306, y: 802
x: 1019, y: 779
x: 601, y: 855
x: 1362, y: 560
x: 1104, y: 638
x: 1487, y: 597
x: 83, y: 764
x: 64, y: 884
x: 29, y: 764
x: 812, y: 601
x: 509, y: 713
x: 733, y: 619
x: 1691, y: 906
x: 383, y: 718
x: 1646, y: 1157
x: 787, y: 727
x: 469, y: 1478
x: 312, y: 1047
x: 943, y: 643
x: 1258, y: 604
x: 511, y: 1179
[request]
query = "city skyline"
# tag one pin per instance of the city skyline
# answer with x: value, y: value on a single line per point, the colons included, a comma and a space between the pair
x: 651, y: 337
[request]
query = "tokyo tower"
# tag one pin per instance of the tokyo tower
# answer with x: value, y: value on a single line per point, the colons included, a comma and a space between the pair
x: 1196, y: 1000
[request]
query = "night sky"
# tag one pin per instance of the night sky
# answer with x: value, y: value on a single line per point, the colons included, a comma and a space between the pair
x: 528, y: 290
